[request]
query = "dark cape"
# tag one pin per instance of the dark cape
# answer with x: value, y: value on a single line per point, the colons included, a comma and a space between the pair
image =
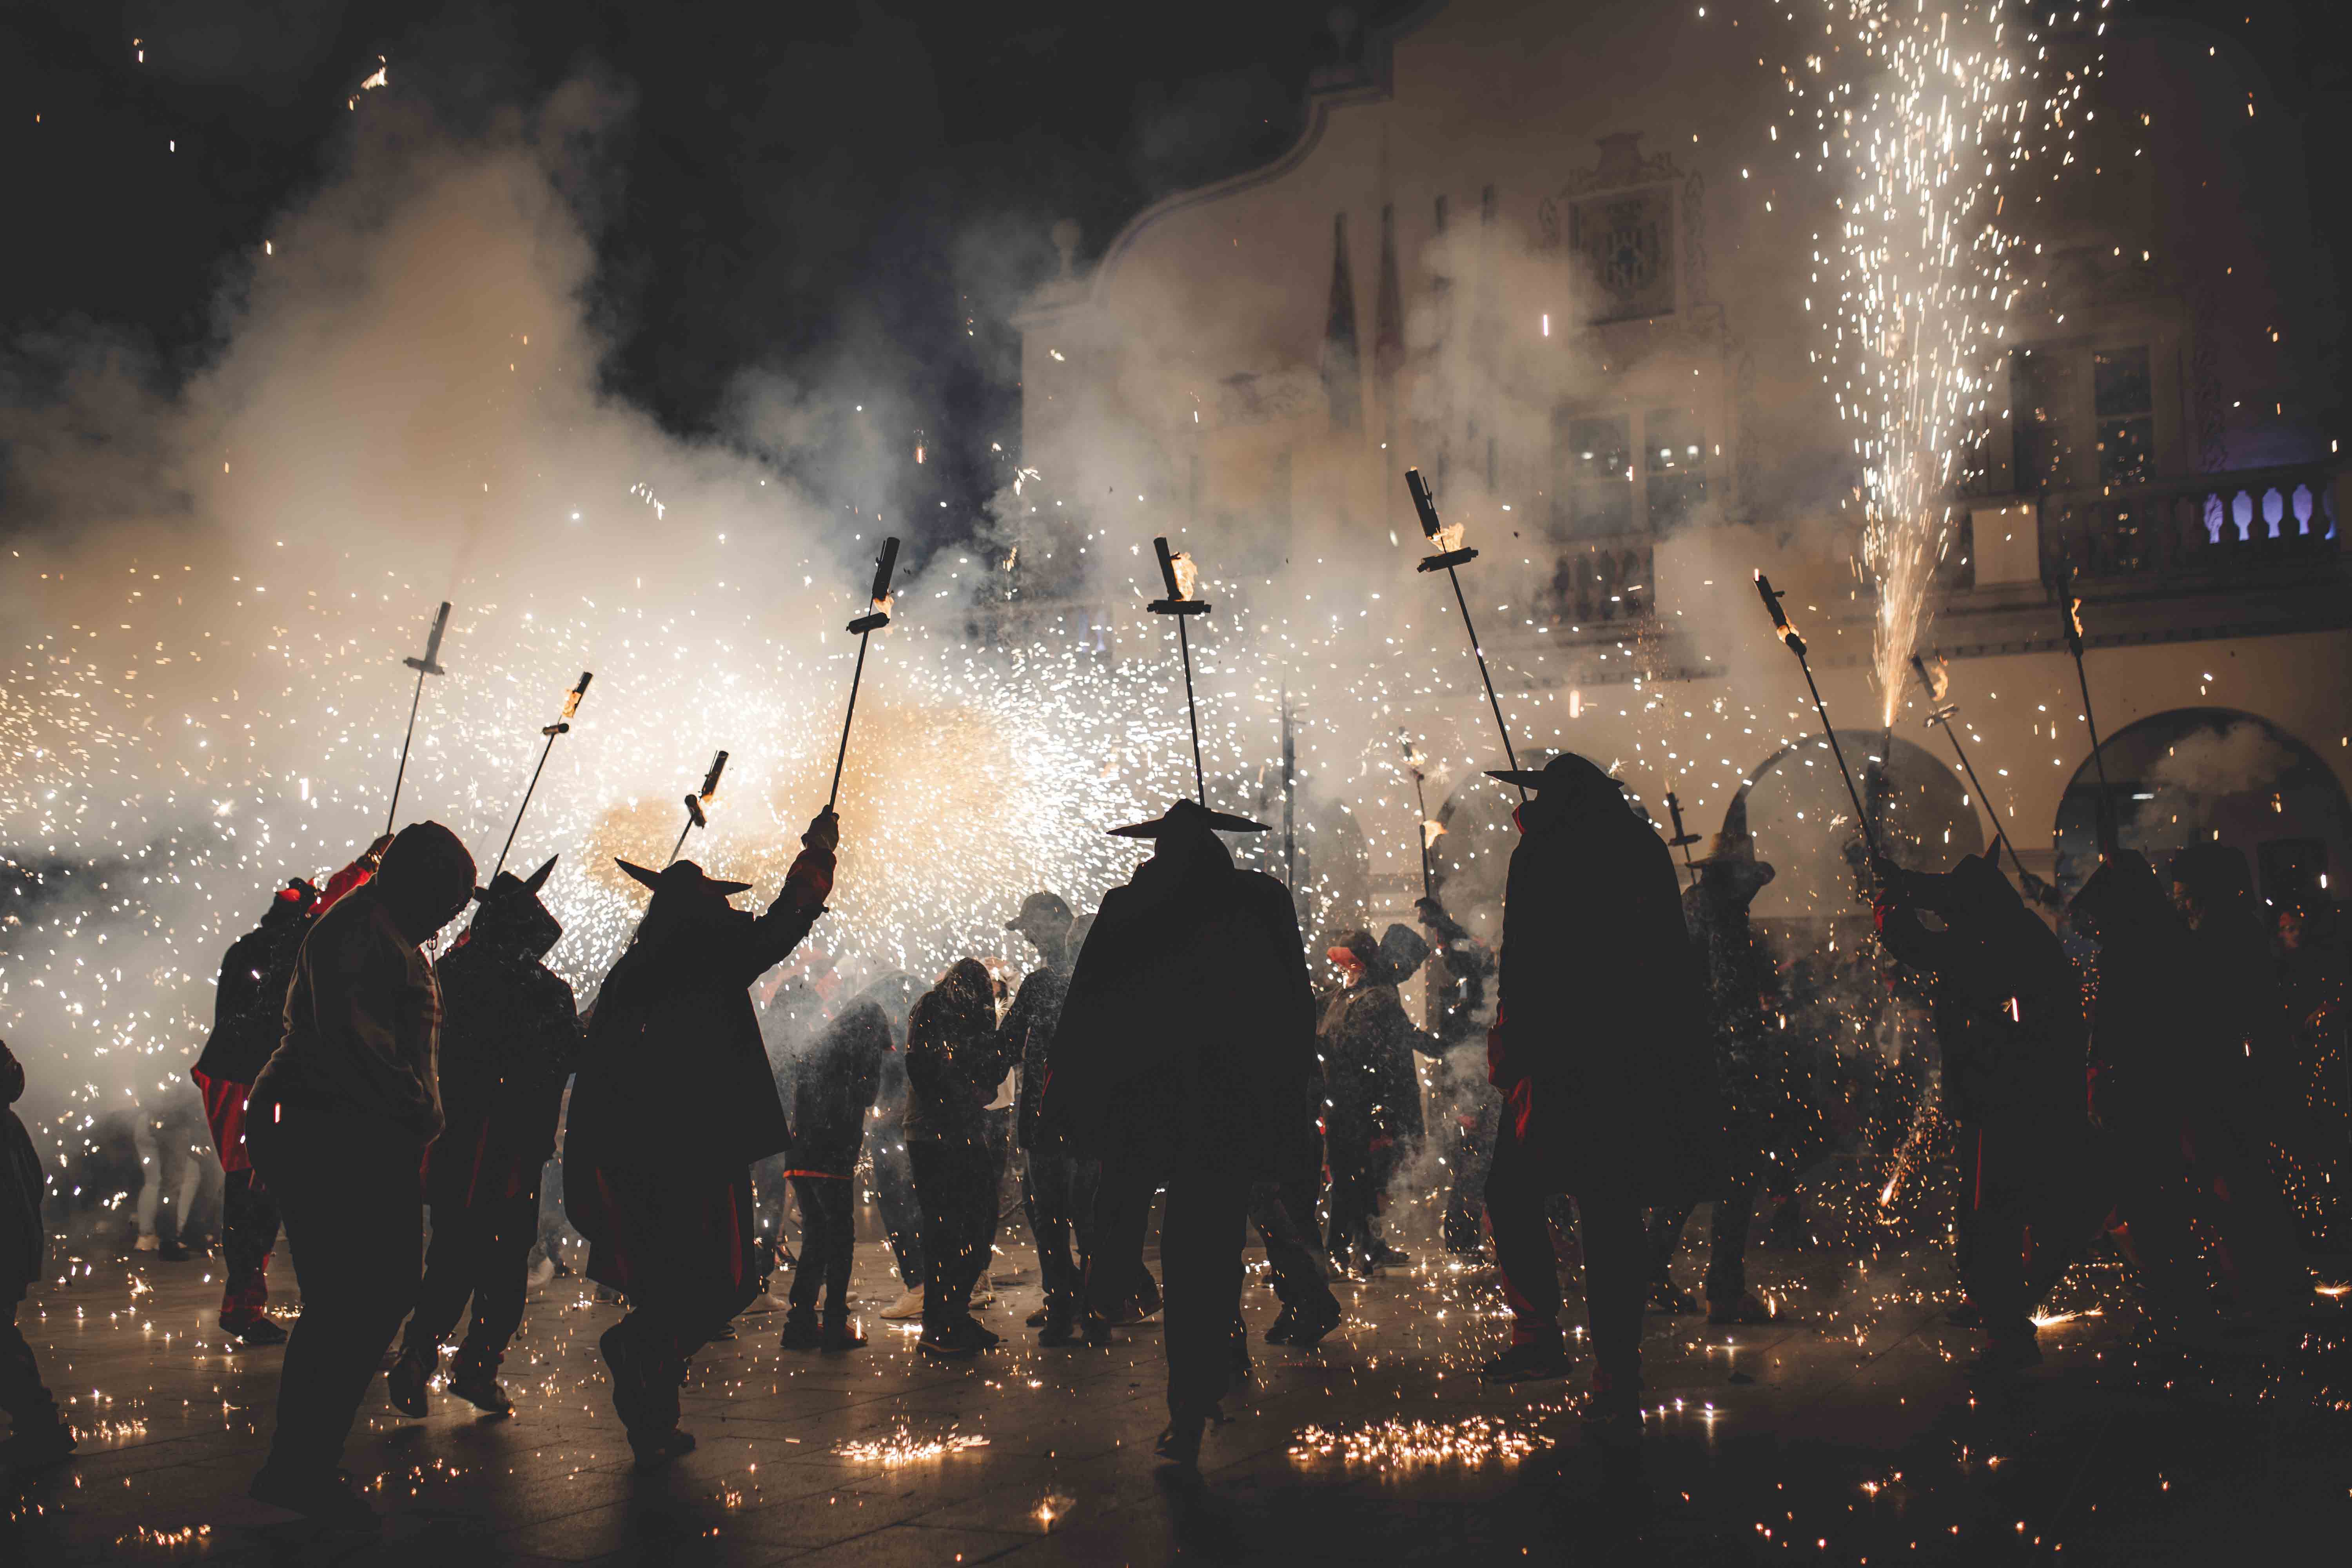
x: 250, y: 1016
x: 1600, y: 1046
x: 510, y: 1038
x: 1369, y: 1043
x: 1189, y: 1027
x: 24, y: 1184
x: 675, y: 1101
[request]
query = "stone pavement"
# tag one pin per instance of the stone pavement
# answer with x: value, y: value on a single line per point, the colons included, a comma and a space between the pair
x: 1845, y: 1431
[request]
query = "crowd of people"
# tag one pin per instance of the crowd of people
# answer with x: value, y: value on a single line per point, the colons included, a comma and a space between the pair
x: 1617, y: 1060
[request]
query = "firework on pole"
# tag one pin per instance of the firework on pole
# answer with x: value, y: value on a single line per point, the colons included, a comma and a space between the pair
x: 429, y: 664
x: 694, y: 816
x: 1450, y: 553
x: 1787, y: 633
x: 562, y: 726
x: 877, y: 616
x: 1424, y: 829
x: 2103, y: 819
x: 1682, y: 841
x: 1182, y: 580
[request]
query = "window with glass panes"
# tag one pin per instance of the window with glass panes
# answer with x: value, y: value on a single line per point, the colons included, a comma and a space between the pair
x: 2124, y: 401
x: 1626, y: 473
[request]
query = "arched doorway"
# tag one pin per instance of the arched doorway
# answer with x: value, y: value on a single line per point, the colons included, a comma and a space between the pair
x: 1795, y: 807
x: 2207, y: 775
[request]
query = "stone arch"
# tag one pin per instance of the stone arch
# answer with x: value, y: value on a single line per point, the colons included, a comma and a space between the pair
x: 1795, y: 807
x: 2212, y: 776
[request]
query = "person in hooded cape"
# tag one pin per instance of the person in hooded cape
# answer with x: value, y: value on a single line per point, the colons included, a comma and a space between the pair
x: 1460, y: 980
x: 2008, y: 1008
x: 2311, y: 978
x: 2236, y: 1008
x: 510, y: 1038
x: 1186, y: 1046
x: 1057, y: 1186
x: 1749, y: 1069
x: 338, y: 1123
x: 673, y: 1104
x: 249, y: 1017
x: 835, y: 1077
x: 38, y: 1434
x: 1374, y: 1121
x: 1599, y: 1049
x: 955, y: 1060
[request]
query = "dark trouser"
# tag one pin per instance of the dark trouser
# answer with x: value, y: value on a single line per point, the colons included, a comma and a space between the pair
x: 1998, y: 1194
x: 1358, y: 1177
x: 1000, y: 1160
x: 1298, y: 1282
x: 248, y: 1232
x: 828, y: 1245
x: 1201, y: 1265
x: 1114, y: 1273
x: 354, y: 1211
x: 1470, y: 1155
x: 1608, y: 1222
x: 2259, y: 1246
x: 952, y: 1182
x: 482, y: 1251
x: 680, y: 1246
x: 1060, y: 1190
x: 1726, y: 1258
x: 27, y: 1403
x: 902, y: 1217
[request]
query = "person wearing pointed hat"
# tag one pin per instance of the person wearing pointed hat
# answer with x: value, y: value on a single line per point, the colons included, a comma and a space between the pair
x: 1186, y: 1045
x: 673, y: 1104
x: 337, y: 1123
x: 1375, y: 1114
x: 1600, y: 1050
x: 2008, y: 1010
x: 1748, y: 1065
x: 509, y: 1038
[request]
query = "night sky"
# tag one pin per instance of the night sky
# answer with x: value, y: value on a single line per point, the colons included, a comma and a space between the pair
x: 827, y: 193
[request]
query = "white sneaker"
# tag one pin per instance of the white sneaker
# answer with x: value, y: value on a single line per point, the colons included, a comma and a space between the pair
x: 906, y: 1309
x: 983, y: 1297
x: 148, y: 1243
x: 541, y: 1272
x: 766, y: 1301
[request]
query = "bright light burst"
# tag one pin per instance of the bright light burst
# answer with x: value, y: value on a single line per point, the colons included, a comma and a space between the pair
x: 1386, y: 1445
x: 903, y: 1447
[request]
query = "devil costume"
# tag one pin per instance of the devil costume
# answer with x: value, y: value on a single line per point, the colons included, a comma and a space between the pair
x: 673, y: 1105
x: 337, y: 1124
x: 1184, y: 1055
x: 509, y: 1038
x: 1602, y: 1055
x: 2009, y: 1020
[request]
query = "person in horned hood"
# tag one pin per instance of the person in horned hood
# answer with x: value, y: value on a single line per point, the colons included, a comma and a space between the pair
x: 1600, y: 1050
x: 2009, y: 1022
x: 509, y: 1038
x: 1375, y: 1118
x: 673, y: 1104
x: 1186, y: 1045
x: 337, y: 1123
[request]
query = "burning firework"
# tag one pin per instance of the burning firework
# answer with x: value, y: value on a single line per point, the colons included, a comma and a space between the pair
x: 903, y: 1447
x: 1472, y: 1440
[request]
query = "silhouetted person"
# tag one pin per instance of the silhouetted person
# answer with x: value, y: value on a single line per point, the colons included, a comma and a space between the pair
x: 1460, y: 984
x: 1747, y: 1061
x: 834, y: 1078
x: 1057, y: 1185
x: 1184, y: 1056
x: 2312, y: 978
x: 1374, y: 1123
x: 1601, y: 1053
x: 2237, y: 1004
x: 39, y: 1435
x: 673, y: 1104
x: 249, y: 1017
x: 338, y: 1123
x: 510, y: 1038
x: 2009, y: 1020
x: 955, y: 1063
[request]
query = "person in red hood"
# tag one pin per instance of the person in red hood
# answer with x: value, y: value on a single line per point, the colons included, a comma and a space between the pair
x: 673, y: 1105
x: 1601, y: 1051
x: 337, y: 1124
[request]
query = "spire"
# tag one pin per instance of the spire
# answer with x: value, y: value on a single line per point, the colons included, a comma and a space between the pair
x: 1342, y: 382
x: 1388, y: 304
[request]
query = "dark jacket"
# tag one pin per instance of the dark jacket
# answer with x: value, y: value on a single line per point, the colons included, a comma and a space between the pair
x: 674, y: 1080
x: 1190, y: 1023
x: 1367, y: 1046
x: 2146, y: 1057
x: 835, y: 1077
x: 24, y: 1183
x: 249, y: 1003
x: 363, y: 1023
x: 509, y: 1038
x: 955, y: 1059
x: 1027, y: 1034
x: 1600, y: 1045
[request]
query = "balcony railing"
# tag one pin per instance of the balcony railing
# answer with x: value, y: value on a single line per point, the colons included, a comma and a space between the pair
x: 2226, y: 527
x: 1599, y: 581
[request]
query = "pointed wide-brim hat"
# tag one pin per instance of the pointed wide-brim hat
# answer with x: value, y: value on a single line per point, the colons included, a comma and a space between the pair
x: 681, y: 875
x: 1565, y: 770
x: 1187, y: 814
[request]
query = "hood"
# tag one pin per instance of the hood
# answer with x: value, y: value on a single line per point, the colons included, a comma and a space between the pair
x: 1570, y: 789
x: 2123, y: 901
x: 1402, y: 952
x: 511, y: 918
x: 426, y: 877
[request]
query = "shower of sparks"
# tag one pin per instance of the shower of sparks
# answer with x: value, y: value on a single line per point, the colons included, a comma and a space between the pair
x: 903, y: 1447
x: 1388, y: 1444
x: 1942, y: 122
